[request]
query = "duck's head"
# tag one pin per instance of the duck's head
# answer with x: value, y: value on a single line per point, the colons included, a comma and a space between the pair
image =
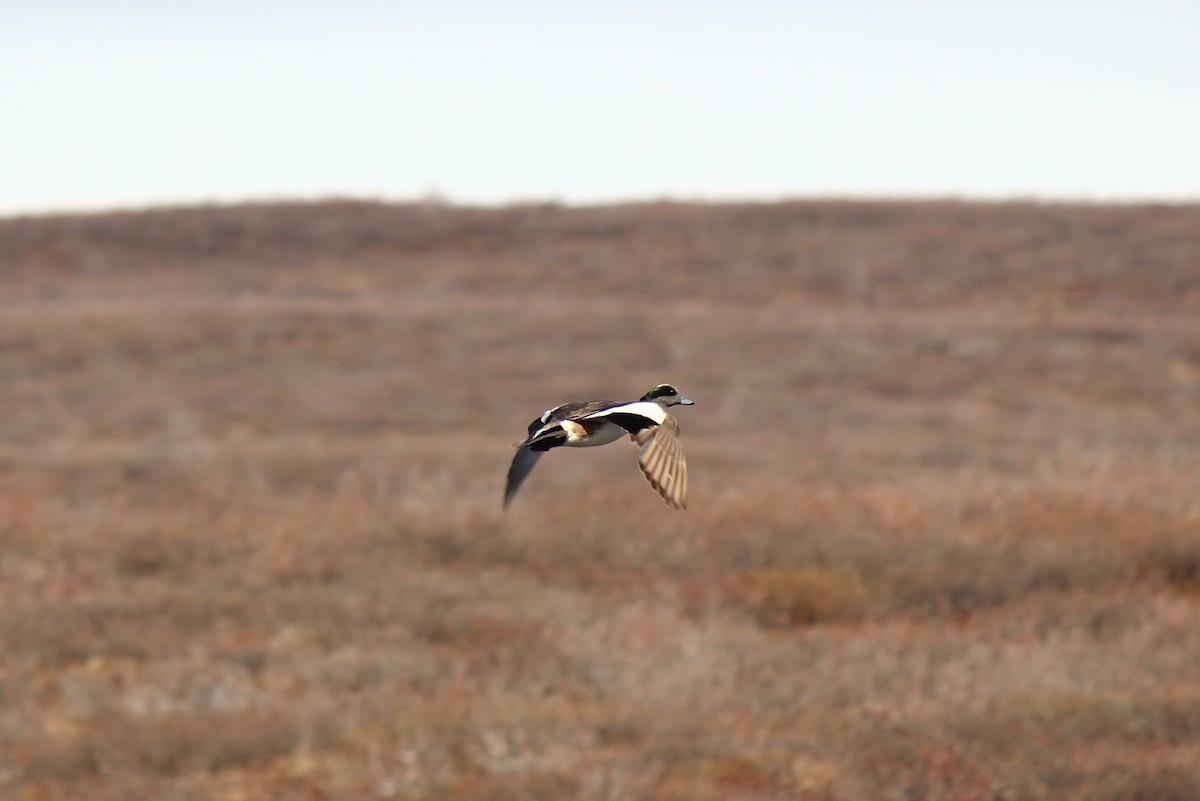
x: 666, y: 395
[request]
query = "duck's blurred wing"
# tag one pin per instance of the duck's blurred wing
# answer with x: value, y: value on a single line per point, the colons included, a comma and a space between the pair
x: 522, y: 463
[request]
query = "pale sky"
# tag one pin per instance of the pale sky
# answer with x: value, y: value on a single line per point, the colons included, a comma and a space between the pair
x: 131, y: 103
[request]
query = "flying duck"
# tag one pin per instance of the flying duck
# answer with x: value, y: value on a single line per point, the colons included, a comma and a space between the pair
x: 583, y: 424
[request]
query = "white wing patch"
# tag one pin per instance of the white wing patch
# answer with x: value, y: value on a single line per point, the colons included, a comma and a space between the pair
x: 648, y: 409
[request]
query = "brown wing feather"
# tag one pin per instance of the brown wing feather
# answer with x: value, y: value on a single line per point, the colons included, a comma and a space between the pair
x: 662, y: 461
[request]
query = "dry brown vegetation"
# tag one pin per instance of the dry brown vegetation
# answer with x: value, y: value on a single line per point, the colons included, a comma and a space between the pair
x: 944, y: 540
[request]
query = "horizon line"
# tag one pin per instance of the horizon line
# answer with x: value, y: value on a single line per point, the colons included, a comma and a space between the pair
x: 438, y: 198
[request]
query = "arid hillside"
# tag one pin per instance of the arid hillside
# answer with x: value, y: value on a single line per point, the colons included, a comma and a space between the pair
x: 943, y: 539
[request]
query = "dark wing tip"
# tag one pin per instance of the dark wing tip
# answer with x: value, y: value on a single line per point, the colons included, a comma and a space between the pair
x: 522, y: 463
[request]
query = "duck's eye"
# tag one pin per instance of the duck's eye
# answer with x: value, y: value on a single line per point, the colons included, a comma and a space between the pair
x: 666, y: 389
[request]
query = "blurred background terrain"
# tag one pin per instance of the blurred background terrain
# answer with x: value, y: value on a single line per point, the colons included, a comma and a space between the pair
x: 944, y: 535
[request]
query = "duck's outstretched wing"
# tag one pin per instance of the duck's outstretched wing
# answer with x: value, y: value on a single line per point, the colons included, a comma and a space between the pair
x: 662, y: 461
x: 522, y: 463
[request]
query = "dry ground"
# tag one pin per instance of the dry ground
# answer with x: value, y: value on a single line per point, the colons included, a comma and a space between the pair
x: 944, y: 540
